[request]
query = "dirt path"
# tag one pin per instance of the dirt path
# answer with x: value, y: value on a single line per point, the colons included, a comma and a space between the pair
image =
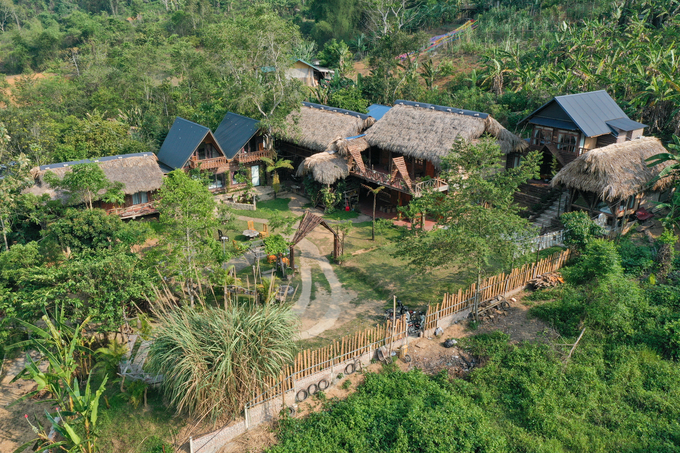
x: 326, y: 310
x: 14, y: 428
x: 331, y: 306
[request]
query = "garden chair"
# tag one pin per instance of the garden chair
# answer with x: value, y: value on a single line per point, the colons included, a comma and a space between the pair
x: 265, y: 231
x: 251, y: 225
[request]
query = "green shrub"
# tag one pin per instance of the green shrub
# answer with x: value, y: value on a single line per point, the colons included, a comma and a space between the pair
x: 579, y: 230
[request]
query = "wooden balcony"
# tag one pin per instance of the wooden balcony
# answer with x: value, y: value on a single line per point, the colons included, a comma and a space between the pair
x: 398, y: 183
x: 208, y: 164
x: 244, y: 158
x: 434, y: 184
x: 136, y: 210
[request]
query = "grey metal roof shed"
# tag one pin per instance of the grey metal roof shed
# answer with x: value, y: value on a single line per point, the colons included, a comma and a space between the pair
x: 181, y: 142
x: 593, y: 112
x: 234, y: 132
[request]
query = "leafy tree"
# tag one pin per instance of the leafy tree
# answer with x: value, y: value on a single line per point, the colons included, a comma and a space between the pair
x: 478, y: 219
x: 14, y: 178
x: 670, y: 171
x: 274, y: 166
x: 187, y: 211
x: 94, y: 229
x: 87, y: 183
x: 254, y: 60
x: 579, y: 229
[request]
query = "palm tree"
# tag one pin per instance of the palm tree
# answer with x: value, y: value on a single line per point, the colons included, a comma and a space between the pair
x: 274, y: 166
x: 375, y: 195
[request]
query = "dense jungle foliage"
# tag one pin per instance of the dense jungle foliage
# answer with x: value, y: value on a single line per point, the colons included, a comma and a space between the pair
x: 110, y: 77
x: 619, y: 391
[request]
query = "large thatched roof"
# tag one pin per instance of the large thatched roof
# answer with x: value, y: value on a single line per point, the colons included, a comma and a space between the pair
x: 138, y: 172
x: 615, y: 172
x: 325, y: 167
x: 317, y: 126
x: 428, y: 132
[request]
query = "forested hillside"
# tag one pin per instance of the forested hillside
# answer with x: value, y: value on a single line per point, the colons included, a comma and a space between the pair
x: 125, y: 69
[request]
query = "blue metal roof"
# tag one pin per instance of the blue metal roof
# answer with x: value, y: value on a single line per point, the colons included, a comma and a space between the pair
x: 626, y: 124
x: 90, y: 161
x: 442, y: 108
x: 234, y: 132
x: 589, y: 111
x: 568, y: 125
x: 182, y: 140
x: 378, y: 110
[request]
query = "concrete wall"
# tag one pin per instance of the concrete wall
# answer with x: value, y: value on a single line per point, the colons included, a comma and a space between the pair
x: 269, y: 410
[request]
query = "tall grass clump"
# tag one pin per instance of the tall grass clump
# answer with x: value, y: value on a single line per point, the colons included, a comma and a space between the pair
x: 213, y: 359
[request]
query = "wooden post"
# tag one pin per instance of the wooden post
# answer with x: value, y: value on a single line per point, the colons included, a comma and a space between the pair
x: 292, y: 257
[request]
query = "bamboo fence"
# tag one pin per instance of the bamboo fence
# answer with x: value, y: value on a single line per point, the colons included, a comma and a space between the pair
x: 345, y: 349
x: 349, y: 347
x: 493, y: 287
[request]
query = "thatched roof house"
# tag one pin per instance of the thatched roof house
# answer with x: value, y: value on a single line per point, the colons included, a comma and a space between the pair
x: 615, y: 172
x: 316, y: 126
x: 426, y: 131
x: 138, y: 172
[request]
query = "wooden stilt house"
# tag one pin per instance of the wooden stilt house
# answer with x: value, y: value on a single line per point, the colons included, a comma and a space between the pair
x: 139, y: 173
x: 613, y: 180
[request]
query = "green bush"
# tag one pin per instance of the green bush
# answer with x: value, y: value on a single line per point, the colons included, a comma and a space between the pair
x: 579, y: 230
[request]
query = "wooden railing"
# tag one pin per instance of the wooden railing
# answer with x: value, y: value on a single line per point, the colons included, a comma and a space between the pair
x: 135, y: 210
x: 244, y: 157
x: 398, y: 183
x: 208, y: 164
x: 577, y: 150
x: 435, y: 184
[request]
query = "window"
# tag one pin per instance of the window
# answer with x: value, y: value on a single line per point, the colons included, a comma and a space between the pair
x: 139, y: 198
x: 215, y: 182
x: 542, y: 135
x: 567, y: 142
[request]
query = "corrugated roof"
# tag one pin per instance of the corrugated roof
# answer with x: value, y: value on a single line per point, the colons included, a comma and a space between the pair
x: 378, y: 110
x: 626, y: 124
x: 590, y: 111
x: 182, y: 140
x: 312, y: 105
x: 318, y: 68
x: 234, y: 132
x: 568, y: 125
x: 442, y: 108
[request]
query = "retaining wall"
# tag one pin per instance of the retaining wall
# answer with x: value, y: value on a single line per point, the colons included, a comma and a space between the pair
x: 269, y: 410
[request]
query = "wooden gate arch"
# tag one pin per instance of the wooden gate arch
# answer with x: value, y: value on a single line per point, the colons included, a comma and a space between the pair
x: 307, y: 224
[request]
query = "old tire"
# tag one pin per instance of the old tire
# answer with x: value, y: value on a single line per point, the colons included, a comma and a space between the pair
x: 407, y: 358
x: 301, y: 395
x: 505, y: 305
x: 349, y: 369
x: 313, y: 389
x: 322, y: 385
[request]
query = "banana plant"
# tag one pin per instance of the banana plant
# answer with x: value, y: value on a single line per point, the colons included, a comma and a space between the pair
x: 77, y: 427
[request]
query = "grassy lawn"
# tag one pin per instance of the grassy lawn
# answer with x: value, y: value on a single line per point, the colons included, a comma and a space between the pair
x: 370, y: 269
x: 319, y: 281
x: 268, y: 209
x: 341, y: 214
x: 126, y: 429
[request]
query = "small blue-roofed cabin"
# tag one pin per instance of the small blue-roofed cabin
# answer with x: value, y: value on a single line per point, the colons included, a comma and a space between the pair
x: 189, y: 146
